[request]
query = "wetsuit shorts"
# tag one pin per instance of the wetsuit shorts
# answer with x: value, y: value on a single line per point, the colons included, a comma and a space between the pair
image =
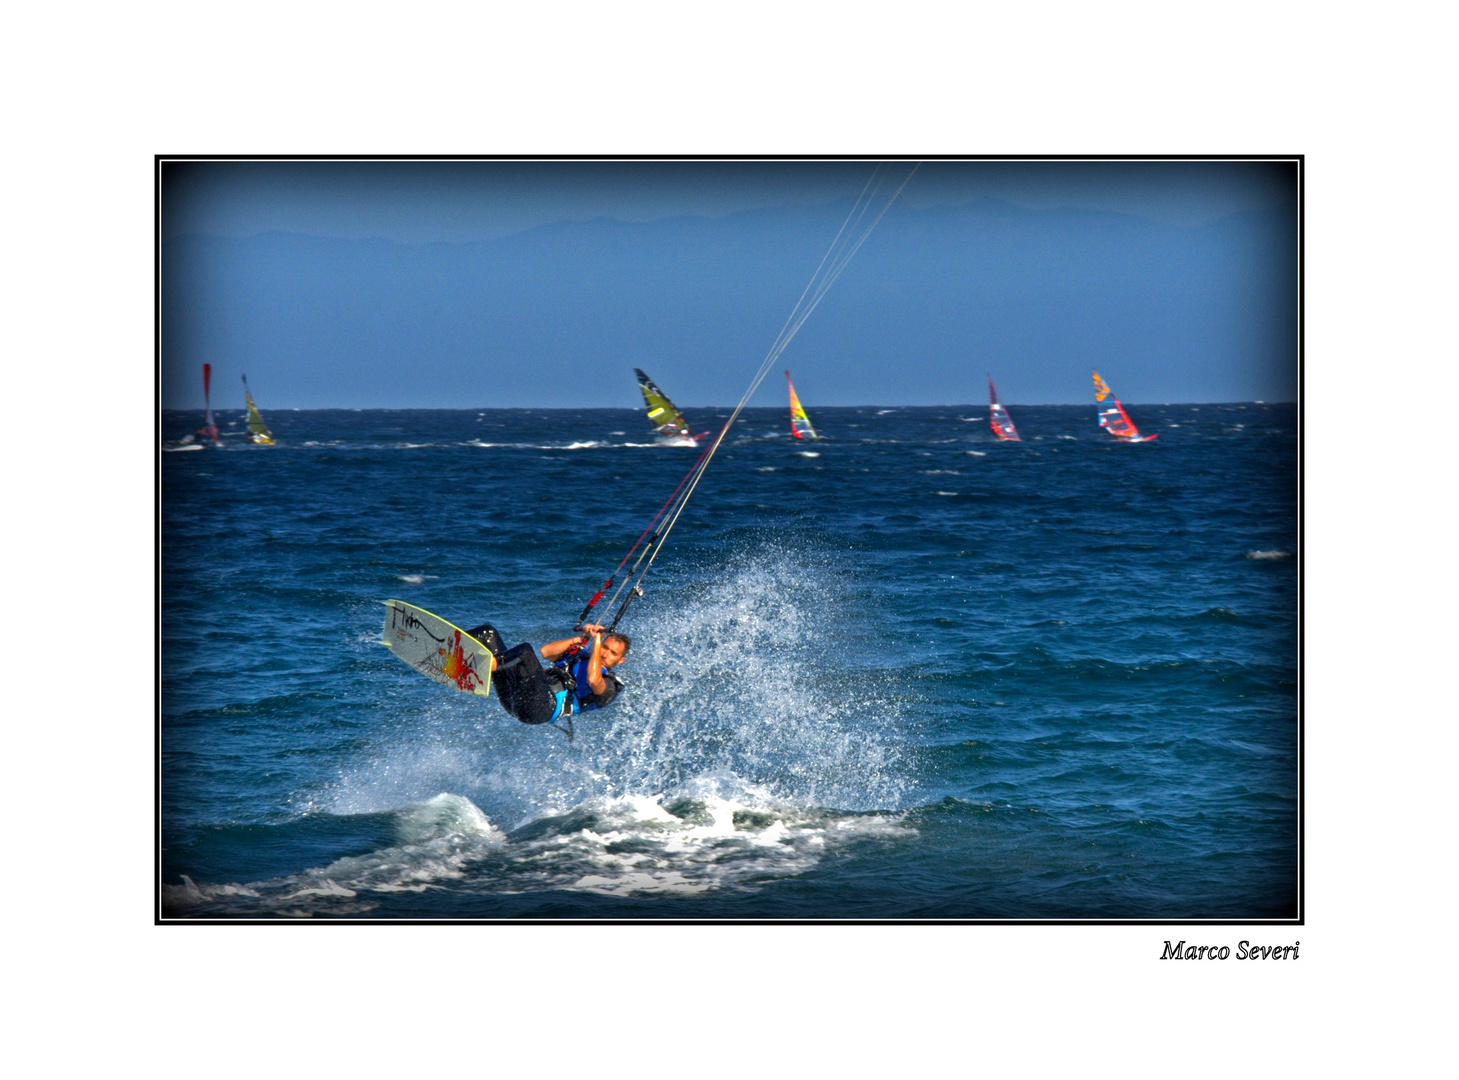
x: 525, y: 690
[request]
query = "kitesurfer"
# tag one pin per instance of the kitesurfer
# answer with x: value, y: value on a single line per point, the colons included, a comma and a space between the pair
x: 578, y: 677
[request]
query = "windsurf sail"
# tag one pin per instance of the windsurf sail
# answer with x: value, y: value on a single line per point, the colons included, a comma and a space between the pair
x: 662, y: 413
x: 800, y: 423
x: 1113, y: 418
x: 998, y: 417
x: 258, y: 431
x: 209, y: 429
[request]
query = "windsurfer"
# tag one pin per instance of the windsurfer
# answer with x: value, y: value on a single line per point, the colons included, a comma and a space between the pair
x: 577, y: 678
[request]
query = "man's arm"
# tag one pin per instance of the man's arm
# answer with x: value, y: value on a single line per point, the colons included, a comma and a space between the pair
x: 554, y: 650
x: 595, y: 661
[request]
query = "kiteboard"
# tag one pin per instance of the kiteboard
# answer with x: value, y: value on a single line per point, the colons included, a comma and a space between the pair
x: 437, y: 649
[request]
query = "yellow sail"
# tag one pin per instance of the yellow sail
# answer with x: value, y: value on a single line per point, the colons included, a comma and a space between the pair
x: 258, y: 431
x: 662, y: 414
x: 800, y: 423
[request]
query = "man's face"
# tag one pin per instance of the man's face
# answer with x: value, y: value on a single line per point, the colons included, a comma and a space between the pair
x: 612, y: 652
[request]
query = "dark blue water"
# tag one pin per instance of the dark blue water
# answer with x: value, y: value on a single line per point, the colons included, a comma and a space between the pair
x: 902, y: 672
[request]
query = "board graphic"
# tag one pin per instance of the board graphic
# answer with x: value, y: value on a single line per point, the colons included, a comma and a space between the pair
x: 437, y: 649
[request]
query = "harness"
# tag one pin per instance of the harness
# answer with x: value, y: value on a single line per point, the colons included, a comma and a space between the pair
x: 572, y: 691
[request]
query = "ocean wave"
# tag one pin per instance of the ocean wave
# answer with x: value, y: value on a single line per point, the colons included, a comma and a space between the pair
x: 696, y: 843
x: 438, y: 839
x: 585, y: 444
x: 715, y: 835
x: 1272, y: 554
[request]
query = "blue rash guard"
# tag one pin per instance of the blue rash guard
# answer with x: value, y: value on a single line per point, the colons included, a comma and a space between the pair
x: 588, y: 698
x: 584, y: 696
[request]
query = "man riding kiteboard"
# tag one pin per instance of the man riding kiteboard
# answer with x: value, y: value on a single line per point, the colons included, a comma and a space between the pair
x: 577, y: 679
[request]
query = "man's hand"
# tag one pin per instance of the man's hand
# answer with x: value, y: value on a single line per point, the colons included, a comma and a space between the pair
x: 595, y: 668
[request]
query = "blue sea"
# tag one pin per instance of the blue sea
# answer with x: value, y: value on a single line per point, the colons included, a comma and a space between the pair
x: 901, y: 672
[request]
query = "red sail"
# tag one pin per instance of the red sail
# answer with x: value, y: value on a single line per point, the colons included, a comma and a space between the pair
x: 209, y: 429
x: 1113, y: 418
x: 998, y: 417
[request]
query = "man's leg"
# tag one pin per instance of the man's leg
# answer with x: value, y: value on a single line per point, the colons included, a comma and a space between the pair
x: 487, y: 635
x: 521, y: 685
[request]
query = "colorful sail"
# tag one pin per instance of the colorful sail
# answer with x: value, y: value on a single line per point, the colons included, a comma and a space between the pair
x: 209, y: 429
x: 662, y: 413
x: 1113, y: 418
x: 258, y: 431
x: 998, y: 417
x: 800, y: 423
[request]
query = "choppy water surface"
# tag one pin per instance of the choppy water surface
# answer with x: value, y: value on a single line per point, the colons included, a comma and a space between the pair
x: 901, y: 672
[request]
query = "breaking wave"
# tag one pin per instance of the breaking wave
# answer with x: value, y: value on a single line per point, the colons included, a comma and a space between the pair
x: 703, y: 842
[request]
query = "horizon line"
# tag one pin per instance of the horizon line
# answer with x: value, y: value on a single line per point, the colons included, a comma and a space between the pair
x: 777, y: 408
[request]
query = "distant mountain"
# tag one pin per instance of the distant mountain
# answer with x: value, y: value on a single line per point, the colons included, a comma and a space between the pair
x: 559, y: 315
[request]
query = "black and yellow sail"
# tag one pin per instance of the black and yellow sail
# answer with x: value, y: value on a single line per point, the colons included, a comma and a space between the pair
x: 662, y: 413
x: 258, y: 431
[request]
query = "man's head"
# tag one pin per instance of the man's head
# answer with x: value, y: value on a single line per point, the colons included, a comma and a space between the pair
x: 615, y: 648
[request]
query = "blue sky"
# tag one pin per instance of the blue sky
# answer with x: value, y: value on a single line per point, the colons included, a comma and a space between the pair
x: 458, y: 201
x: 408, y: 277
